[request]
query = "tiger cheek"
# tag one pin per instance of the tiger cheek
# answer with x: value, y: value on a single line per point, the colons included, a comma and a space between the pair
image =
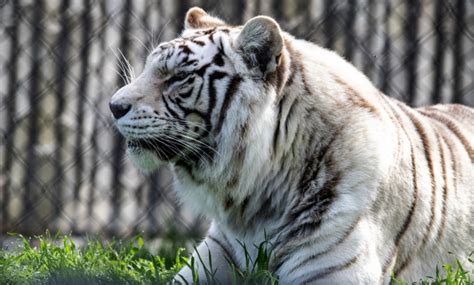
x: 196, y: 123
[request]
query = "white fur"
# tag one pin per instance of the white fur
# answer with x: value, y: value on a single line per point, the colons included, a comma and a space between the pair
x: 373, y: 162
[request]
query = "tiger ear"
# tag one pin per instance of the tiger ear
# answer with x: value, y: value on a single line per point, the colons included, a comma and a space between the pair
x: 197, y: 18
x: 260, y: 43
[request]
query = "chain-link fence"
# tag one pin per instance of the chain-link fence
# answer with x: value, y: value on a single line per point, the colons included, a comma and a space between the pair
x: 62, y: 163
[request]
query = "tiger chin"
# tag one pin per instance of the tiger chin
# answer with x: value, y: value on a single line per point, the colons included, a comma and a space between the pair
x: 279, y: 140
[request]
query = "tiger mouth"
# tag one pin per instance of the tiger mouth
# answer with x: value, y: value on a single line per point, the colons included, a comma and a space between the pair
x: 164, y: 149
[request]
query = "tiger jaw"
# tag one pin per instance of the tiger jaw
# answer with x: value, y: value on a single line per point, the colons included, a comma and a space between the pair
x: 144, y: 159
x: 145, y: 147
x: 165, y: 150
x: 147, y: 154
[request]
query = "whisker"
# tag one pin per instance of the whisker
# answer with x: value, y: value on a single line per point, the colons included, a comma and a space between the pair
x: 123, y: 74
x: 158, y: 151
x: 123, y: 69
x: 140, y: 42
x: 198, y: 141
x: 124, y: 79
x: 195, y: 149
x: 149, y: 34
x: 176, y: 150
x: 193, y: 124
x: 131, y: 71
x: 187, y: 135
x: 163, y: 29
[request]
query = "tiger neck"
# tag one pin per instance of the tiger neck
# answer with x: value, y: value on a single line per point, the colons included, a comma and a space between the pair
x: 254, y: 183
x: 252, y: 186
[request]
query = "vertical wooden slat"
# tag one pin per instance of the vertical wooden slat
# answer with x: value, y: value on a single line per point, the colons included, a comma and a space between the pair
x: 329, y: 23
x: 368, y: 64
x: 386, y: 50
x: 34, y: 93
x: 145, y: 26
x: 119, y: 141
x: 257, y: 8
x: 152, y: 187
x: 458, y: 51
x: 62, y: 66
x: 349, y: 29
x: 302, y: 7
x: 153, y: 202
x: 181, y: 9
x: 10, y: 109
x: 95, y: 136
x: 277, y: 7
x: 411, y: 48
x: 237, y: 18
x: 438, y: 58
x: 86, y: 25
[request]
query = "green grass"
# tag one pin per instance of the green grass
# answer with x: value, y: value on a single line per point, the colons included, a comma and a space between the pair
x: 95, y: 263
x: 58, y: 260
x: 449, y: 274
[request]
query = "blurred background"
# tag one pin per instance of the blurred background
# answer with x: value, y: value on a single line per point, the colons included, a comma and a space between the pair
x: 63, y: 165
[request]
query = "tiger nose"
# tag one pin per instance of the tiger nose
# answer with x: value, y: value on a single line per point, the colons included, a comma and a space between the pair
x: 119, y: 110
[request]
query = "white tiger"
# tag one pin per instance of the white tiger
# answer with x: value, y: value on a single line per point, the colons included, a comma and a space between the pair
x: 278, y: 139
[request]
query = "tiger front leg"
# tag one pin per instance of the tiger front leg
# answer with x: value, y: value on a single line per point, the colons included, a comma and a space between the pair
x: 347, y: 257
x: 210, y: 262
x: 348, y: 270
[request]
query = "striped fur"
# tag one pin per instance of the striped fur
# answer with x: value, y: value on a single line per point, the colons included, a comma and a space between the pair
x: 276, y: 138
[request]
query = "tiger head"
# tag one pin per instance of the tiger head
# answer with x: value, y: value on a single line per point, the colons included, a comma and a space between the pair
x: 198, y: 94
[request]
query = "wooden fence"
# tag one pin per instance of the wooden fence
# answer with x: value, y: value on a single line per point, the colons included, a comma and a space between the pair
x: 62, y: 163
